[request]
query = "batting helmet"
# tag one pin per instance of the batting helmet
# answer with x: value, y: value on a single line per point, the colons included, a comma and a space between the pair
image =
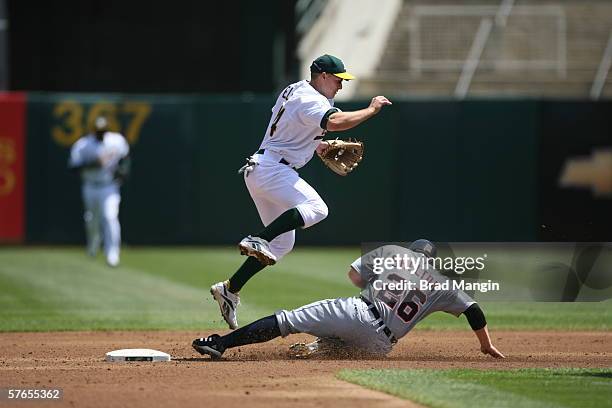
x: 424, y: 247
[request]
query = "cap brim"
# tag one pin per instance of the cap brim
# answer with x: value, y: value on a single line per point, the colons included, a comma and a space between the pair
x: 345, y: 75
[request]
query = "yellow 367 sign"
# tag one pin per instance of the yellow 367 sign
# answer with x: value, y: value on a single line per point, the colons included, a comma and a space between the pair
x: 74, y: 119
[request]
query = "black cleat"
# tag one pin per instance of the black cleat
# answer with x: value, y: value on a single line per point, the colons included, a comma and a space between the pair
x: 209, y: 345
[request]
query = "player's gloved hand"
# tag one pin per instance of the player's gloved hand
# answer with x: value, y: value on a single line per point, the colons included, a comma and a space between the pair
x: 492, y: 351
x: 341, y: 156
x: 248, y: 167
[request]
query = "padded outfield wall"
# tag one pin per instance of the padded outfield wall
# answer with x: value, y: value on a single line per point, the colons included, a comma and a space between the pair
x: 449, y: 171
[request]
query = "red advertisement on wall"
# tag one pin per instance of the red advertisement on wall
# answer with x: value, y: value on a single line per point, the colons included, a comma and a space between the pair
x: 12, y: 165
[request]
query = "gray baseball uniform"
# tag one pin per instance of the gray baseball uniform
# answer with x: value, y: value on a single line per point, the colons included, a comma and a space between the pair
x: 395, y: 311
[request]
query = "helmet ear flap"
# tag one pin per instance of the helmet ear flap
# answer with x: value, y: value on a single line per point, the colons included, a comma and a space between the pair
x: 424, y: 247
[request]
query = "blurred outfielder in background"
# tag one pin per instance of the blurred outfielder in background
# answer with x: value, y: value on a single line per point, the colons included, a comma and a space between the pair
x: 101, y: 158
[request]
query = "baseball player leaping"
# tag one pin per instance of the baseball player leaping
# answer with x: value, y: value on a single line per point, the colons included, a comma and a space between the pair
x: 371, y: 323
x: 301, y: 117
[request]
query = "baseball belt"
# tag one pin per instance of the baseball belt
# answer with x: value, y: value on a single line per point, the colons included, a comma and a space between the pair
x: 380, y: 323
x: 281, y: 161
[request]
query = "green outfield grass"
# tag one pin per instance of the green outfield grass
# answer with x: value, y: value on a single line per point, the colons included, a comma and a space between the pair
x: 526, y: 388
x: 167, y: 288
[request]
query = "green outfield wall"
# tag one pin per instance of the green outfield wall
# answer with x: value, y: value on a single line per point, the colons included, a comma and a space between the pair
x: 451, y: 171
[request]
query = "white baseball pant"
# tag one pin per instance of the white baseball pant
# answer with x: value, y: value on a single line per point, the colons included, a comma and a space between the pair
x: 276, y: 188
x: 102, y: 210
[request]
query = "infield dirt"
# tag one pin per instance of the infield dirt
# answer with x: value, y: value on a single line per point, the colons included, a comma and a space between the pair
x: 261, y: 375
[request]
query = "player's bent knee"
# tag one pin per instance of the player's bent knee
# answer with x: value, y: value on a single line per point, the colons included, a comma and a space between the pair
x: 322, y: 210
x: 313, y: 212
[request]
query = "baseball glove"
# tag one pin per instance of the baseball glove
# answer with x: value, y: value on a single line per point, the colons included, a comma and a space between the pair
x: 342, y: 156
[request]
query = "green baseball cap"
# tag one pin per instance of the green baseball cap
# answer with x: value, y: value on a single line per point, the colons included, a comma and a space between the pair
x: 333, y: 65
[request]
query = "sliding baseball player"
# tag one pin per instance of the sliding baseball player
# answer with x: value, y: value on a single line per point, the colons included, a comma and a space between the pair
x: 390, y: 305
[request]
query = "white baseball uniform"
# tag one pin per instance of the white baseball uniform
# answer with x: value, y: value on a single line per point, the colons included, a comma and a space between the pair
x: 100, y: 190
x: 293, y: 134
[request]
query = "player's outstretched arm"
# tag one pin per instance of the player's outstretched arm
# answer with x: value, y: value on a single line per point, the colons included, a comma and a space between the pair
x: 340, y: 121
x: 478, y: 323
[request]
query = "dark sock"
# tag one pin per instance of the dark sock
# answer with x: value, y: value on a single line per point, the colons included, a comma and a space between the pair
x: 257, y: 332
x: 287, y: 221
x: 249, y: 268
